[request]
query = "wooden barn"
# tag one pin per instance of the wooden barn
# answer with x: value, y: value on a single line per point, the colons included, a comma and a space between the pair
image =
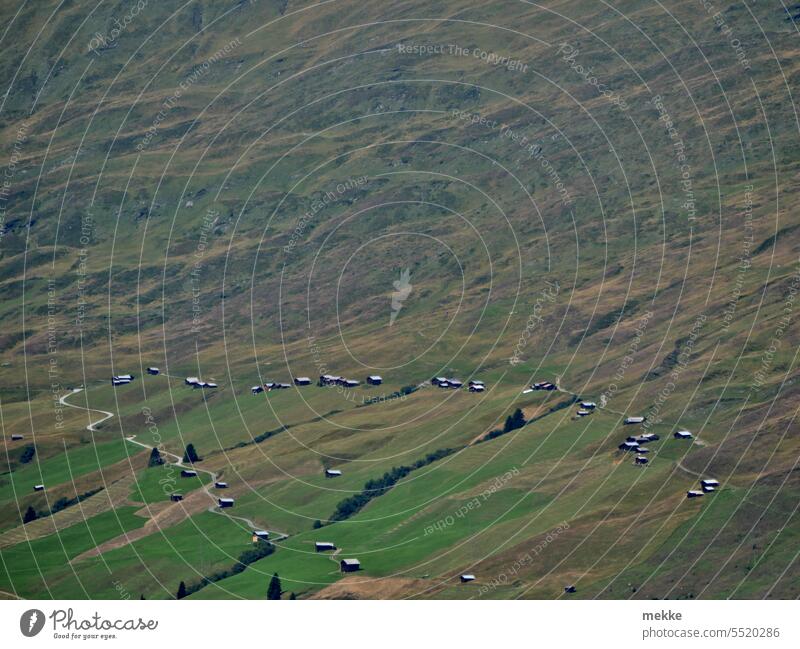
x: 220, y: 485
x: 188, y: 473
x: 153, y: 370
x: 332, y: 473
x: 225, y: 502
x: 38, y: 487
x: 176, y: 497
x: 256, y: 389
x: 350, y: 565
x: 302, y: 380
x: 324, y: 546
x: 682, y: 434
x: 465, y: 579
x: 374, y: 379
x: 633, y: 420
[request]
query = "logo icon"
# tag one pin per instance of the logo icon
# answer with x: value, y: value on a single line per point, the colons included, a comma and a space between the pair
x: 402, y: 289
x: 31, y: 622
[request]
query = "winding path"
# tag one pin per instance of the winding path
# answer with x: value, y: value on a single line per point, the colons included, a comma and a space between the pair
x: 214, y: 509
x: 91, y: 426
x: 178, y: 461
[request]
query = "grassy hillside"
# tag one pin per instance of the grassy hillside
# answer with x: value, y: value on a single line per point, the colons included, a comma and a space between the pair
x: 601, y: 196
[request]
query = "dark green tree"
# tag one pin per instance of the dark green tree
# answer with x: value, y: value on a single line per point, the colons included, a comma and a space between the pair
x: 27, y: 454
x: 191, y: 455
x: 30, y: 515
x: 155, y: 458
x: 317, y: 524
x: 274, y: 589
x: 181, y: 590
x: 292, y: 596
x: 517, y: 420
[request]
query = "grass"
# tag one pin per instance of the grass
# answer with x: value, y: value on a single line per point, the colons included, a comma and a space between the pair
x: 489, y: 233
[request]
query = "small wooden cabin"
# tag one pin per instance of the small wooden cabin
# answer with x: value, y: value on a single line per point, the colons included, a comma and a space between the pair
x: 324, y: 546
x: 350, y: 565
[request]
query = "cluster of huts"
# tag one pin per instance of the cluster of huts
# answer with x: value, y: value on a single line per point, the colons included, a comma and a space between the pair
x: 636, y: 444
x: 195, y: 382
x: 707, y: 485
x: 455, y: 384
x: 345, y: 565
x: 269, y: 386
x: 324, y: 380
x: 330, y: 379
